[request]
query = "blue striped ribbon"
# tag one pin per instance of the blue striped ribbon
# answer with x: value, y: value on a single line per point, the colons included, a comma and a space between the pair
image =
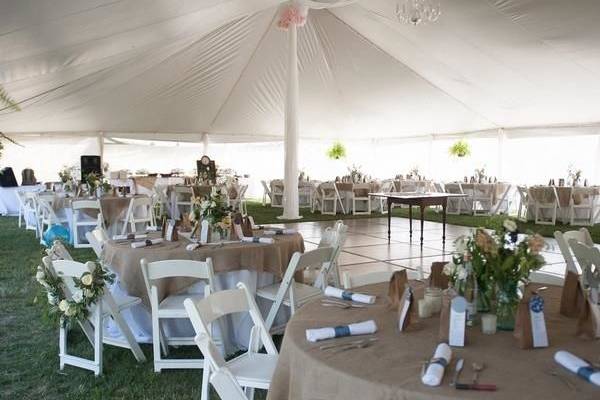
x: 346, y: 295
x: 586, y: 372
x: 342, y: 330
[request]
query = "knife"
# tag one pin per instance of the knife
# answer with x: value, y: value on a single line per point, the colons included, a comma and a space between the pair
x: 457, y: 369
x: 476, y: 386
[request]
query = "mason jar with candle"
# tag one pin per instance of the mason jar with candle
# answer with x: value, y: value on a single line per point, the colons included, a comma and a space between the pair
x: 433, y: 296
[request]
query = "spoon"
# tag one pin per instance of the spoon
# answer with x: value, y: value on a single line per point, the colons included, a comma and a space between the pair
x: 477, y: 368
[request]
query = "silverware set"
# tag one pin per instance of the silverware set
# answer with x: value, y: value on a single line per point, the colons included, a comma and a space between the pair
x: 355, y: 344
x: 474, y: 385
x: 341, y: 304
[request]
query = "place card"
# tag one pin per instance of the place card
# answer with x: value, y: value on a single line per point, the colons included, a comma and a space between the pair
x: 538, y: 323
x: 458, y: 320
x: 204, y: 229
x: 405, y: 306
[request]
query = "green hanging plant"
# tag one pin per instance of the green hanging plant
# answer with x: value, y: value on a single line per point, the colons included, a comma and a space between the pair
x: 460, y: 149
x: 336, y: 151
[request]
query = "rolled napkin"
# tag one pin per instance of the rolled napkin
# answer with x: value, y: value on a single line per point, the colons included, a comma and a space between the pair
x: 578, y: 366
x: 279, y: 232
x: 130, y: 236
x: 360, y: 328
x: 435, y: 370
x: 192, y: 246
x: 153, y: 228
x: 347, y: 295
x: 146, y: 243
x: 258, y: 240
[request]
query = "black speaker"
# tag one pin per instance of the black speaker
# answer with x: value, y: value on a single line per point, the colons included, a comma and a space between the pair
x: 7, y: 178
x: 90, y: 164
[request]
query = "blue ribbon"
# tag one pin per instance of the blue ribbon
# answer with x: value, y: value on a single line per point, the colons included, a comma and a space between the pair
x: 342, y: 330
x: 346, y: 295
x: 536, y: 304
x: 256, y: 240
x: 586, y: 372
x: 279, y: 232
x: 441, y: 361
x: 148, y: 242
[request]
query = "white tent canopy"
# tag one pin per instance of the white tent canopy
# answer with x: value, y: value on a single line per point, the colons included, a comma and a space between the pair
x: 178, y: 69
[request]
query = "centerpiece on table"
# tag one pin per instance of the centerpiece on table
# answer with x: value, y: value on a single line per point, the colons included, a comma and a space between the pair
x: 488, y: 268
x: 215, y: 211
x: 97, y: 185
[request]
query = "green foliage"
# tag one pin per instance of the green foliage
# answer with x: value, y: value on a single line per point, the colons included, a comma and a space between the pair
x: 336, y: 151
x: 6, y: 102
x: 460, y: 149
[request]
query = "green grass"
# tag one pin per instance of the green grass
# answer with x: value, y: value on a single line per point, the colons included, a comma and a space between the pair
x: 268, y: 215
x: 29, y: 341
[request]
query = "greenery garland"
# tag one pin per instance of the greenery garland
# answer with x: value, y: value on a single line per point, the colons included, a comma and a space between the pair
x: 90, y: 287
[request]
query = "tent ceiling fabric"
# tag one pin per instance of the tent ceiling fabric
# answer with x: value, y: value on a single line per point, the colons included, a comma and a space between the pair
x: 165, y: 68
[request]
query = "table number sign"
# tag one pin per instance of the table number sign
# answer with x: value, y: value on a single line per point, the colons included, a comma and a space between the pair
x: 204, y: 228
x: 538, y: 323
x: 458, y: 320
x: 405, y: 308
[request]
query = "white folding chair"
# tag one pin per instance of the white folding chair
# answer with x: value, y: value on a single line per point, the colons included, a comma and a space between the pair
x: 58, y: 251
x: 563, y: 239
x: 438, y: 187
x: 291, y: 293
x: 171, y: 306
x: 225, y: 384
x: 387, y: 186
x: 370, y: 278
x: 238, y: 203
x: 106, y: 307
x: 159, y: 201
x: 97, y: 238
x: 277, y: 193
x: 48, y: 217
x: 588, y: 258
x: 544, y: 198
x: 251, y: 370
x: 360, y: 195
x: 181, y: 200
x: 334, y: 237
x: 483, y: 198
x: 27, y: 210
x: 138, y: 212
x: 330, y: 194
x: 266, y: 193
x: 582, y: 201
x: 456, y: 205
x: 82, y: 219
x: 525, y: 203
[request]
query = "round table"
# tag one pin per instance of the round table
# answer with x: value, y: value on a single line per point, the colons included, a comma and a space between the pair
x: 390, y: 368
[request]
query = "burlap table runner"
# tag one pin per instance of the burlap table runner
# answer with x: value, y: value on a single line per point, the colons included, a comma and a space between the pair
x: 125, y: 261
x: 390, y: 368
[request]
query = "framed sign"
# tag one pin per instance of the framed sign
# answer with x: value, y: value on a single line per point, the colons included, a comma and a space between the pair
x: 207, y: 170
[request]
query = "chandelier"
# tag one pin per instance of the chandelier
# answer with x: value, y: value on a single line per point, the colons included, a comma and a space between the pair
x: 417, y: 12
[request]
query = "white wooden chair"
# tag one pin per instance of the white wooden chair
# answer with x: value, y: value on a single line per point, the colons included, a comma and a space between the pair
x: 525, y: 203
x: 563, y: 238
x: 97, y: 239
x: 582, y: 201
x: 387, y: 186
x: 225, y: 384
x: 172, y: 306
x: 58, y: 251
x: 181, y: 200
x: 138, y: 212
x: 27, y: 211
x: 238, y: 203
x: 48, y: 217
x: 106, y: 307
x: 438, y: 187
x: 159, y: 201
x: 370, y: 278
x: 266, y: 193
x: 81, y: 220
x: 291, y: 293
x: 334, y: 237
x: 329, y: 194
x: 277, y: 193
x: 588, y: 258
x: 251, y: 370
x: 544, y: 199
x: 483, y: 198
x: 360, y: 196
x: 546, y: 278
x: 457, y: 205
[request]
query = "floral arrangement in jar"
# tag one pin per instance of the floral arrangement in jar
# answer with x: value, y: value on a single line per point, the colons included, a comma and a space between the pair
x: 214, y: 210
x: 500, y: 260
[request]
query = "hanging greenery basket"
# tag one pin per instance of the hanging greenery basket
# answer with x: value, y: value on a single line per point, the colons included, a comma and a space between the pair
x: 336, y: 151
x: 460, y: 149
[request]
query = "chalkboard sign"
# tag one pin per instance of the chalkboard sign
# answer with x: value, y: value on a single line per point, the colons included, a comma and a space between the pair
x: 207, y: 171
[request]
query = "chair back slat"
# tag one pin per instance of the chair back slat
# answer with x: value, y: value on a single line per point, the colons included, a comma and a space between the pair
x: 177, y: 268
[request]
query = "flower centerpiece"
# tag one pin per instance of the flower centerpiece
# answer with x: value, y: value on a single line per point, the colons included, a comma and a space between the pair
x: 65, y: 174
x: 500, y: 260
x: 89, y: 288
x: 215, y: 211
x: 575, y: 175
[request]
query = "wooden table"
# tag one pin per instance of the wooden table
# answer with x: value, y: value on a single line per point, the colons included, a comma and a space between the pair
x: 422, y: 200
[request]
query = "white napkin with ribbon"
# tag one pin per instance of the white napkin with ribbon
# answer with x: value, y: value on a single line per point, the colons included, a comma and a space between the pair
x: 435, y: 370
x: 578, y: 366
x: 360, y: 328
x: 347, y: 295
x: 146, y: 243
x: 279, y: 232
x: 130, y: 236
x: 258, y: 240
x: 192, y: 246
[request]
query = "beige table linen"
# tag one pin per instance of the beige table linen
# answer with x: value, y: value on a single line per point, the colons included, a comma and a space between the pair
x: 390, y: 368
x: 125, y: 261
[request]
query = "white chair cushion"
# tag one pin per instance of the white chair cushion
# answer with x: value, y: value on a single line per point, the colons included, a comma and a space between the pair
x: 254, y: 369
x: 172, y: 306
x: 302, y: 292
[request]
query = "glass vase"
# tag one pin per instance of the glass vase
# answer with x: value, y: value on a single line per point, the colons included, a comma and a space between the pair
x: 507, y: 301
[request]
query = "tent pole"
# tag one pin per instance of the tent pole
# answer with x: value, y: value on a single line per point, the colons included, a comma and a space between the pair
x: 291, y: 209
x: 205, y: 143
x: 101, y: 145
x: 501, y: 145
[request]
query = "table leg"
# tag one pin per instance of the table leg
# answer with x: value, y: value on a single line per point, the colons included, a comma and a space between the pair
x: 422, y: 217
x: 410, y: 221
x: 389, y: 204
x: 444, y: 204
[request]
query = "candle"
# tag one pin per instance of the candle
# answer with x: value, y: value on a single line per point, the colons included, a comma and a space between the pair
x: 488, y: 324
x: 424, y: 309
x: 434, y: 296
